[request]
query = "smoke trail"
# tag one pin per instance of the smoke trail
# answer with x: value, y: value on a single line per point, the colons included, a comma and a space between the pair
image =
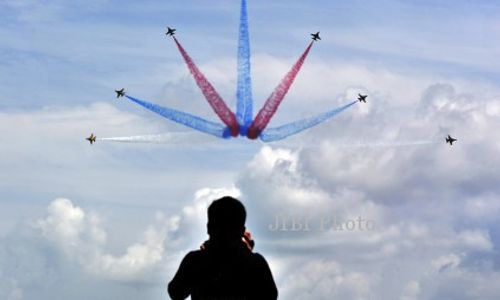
x: 361, y: 144
x: 300, y: 144
x: 213, y: 98
x: 170, y: 138
x: 244, y: 107
x: 272, y: 103
x: 279, y: 133
x: 186, y: 119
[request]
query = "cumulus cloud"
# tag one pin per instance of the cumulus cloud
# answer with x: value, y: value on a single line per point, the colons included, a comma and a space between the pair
x: 420, y: 249
x: 81, y: 238
x: 324, y: 279
x: 192, y: 219
x: 71, y: 244
x: 408, y: 255
x: 418, y: 198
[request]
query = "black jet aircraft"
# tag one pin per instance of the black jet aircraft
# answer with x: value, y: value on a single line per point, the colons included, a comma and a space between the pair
x: 120, y: 93
x: 170, y: 31
x: 362, y: 98
x: 450, y: 140
x: 315, y: 36
x: 91, y: 138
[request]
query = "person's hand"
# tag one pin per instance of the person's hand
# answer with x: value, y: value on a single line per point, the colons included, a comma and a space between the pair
x: 247, y: 240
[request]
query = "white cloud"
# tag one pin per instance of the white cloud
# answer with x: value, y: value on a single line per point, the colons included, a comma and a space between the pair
x: 81, y: 238
x: 415, y: 209
x: 411, y: 244
x: 71, y: 244
x: 324, y: 279
x: 475, y: 239
x: 64, y: 223
x: 193, y: 217
x: 482, y: 207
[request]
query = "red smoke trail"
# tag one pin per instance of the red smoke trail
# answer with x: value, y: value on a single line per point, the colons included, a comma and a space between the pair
x: 213, y: 98
x: 271, y: 106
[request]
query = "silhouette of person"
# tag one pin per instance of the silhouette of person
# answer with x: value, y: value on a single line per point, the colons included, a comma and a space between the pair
x: 225, y: 267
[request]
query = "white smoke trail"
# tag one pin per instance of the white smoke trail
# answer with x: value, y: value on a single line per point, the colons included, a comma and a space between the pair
x: 194, y: 138
x: 356, y: 144
x: 388, y: 144
x: 164, y: 138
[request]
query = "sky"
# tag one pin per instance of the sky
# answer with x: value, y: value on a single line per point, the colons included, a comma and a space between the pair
x: 370, y: 205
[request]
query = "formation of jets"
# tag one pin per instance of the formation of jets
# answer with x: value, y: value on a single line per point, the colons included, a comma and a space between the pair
x: 170, y: 31
x: 450, y: 140
x: 120, y: 93
x: 315, y: 36
x: 91, y: 138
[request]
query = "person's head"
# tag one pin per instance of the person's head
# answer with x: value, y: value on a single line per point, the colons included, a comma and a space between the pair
x: 226, y: 219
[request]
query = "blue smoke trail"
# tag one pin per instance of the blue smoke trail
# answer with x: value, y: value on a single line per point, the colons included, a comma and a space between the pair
x: 244, y: 108
x: 279, y: 133
x: 186, y: 119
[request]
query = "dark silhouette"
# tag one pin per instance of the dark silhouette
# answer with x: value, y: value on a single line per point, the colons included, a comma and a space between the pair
x: 362, y: 98
x: 450, y: 140
x: 225, y: 267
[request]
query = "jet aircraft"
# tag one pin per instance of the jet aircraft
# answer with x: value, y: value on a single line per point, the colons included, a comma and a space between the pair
x: 91, y: 138
x: 362, y: 98
x: 170, y: 31
x: 120, y: 93
x: 450, y: 140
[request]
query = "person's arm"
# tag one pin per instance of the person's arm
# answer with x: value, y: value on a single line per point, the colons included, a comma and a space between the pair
x: 265, y: 283
x: 180, y: 286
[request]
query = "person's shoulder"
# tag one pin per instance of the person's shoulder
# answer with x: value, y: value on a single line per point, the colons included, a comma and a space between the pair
x: 258, y: 259
x: 194, y: 252
x: 194, y: 256
x: 257, y: 255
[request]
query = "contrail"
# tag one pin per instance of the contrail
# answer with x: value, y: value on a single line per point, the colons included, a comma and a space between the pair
x: 186, y: 119
x: 272, y: 103
x: 279, y: 133
x: 244, y: 104
x: 213, y: 98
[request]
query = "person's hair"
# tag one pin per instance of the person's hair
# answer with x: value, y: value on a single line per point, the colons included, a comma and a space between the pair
x: 226, y: 213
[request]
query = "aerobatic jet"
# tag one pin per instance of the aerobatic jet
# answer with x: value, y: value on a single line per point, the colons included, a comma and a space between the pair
x: 170, y: 31
x: 315, y: 36
x: 362, y: 98
x: 450, y: 140
x: 91, y: 138
x: 120, y: 93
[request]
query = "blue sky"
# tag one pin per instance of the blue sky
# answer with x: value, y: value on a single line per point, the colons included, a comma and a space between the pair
x: 114, y: 219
